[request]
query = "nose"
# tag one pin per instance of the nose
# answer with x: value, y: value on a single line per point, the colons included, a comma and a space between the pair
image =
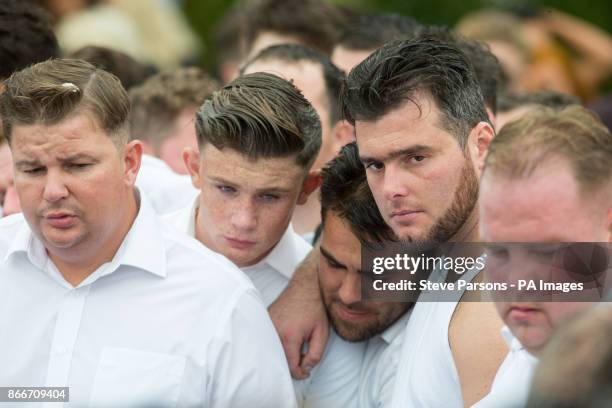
x: 55, y: 187
x: 350, y: 290
x: 11, y: 201
x: 244, y: 217
x: 394, y: 183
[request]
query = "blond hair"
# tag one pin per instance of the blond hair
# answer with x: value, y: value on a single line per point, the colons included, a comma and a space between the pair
x: 574, y: 134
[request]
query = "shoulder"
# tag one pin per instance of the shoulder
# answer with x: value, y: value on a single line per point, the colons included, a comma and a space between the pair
x: 187, y: 257
x: 9, y: 227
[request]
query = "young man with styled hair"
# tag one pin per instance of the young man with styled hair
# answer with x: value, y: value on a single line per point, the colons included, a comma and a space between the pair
x: 320, y: 82
x: 258, y: 137
x: 96, y: 293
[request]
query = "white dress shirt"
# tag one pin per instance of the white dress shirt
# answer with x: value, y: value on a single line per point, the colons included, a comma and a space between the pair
x: 166, y: 190
x: 379, y: 367
x: 510, y: 388
x: 427, y: 376
x: 165, y: 323
x: 334, y: 382
x: 270, y: 275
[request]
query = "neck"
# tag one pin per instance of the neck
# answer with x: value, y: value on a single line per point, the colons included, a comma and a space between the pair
x: 469, y: 231
x: 77, y: 263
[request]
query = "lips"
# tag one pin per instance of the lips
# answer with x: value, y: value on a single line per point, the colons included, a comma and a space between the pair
x: 405, y: 215
x: 521, y: 314
x: 60, y: 220
x: 351, y: 314
x: 239, y: 243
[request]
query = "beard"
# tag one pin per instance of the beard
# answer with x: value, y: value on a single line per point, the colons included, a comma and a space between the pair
x: 462, y: 206
x: 356, y: 332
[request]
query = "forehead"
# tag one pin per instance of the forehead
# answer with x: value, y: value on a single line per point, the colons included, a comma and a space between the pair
x: 339, y: 241
x: 307, y: 76
x: 234, y: 167
x: 73, y: 133
x: 544, y: 206
x: 403, y: 128
x: 346, y: 59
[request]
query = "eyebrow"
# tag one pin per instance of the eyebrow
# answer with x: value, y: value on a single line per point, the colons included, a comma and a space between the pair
x: 78, y: 156
x: 272, y: 189
x: 330, y: 257
x: 27, y: 163
x: 398, y: 153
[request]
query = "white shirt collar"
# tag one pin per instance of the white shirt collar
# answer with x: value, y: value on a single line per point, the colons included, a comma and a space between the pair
x: 286, y: 255
x: 141, y: 248
x: 397, y: 328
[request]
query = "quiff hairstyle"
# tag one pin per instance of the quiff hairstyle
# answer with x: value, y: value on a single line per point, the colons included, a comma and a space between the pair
x: 50, y: 91
x: 157, y: 103
x: 345, y: 192
x: 261, y: 116
x: 573, y: 133
x: 399, y: 71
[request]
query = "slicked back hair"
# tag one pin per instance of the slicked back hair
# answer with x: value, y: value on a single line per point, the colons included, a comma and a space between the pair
x: 296, y: 53
x: 397, y: 72
x: 371, y: 31
x: 261, y: 115
x: 486, y: 66
x: 46, y: 93
x: 345, y: 192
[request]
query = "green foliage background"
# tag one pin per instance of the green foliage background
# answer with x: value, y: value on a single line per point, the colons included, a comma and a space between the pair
x: 204, y: 14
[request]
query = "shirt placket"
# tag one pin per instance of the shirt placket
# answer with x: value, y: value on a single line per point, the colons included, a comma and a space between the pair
x: 65, y: 336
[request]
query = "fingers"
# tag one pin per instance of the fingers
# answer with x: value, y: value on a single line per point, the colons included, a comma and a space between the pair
x: 292, y: 344
x: 316, y: 347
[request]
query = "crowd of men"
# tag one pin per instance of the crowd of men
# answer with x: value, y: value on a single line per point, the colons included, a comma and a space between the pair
x: 170, y: 240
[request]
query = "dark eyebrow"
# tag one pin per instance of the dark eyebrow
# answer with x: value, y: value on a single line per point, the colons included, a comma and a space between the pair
x: 410, y: 151
x: 330, y: 257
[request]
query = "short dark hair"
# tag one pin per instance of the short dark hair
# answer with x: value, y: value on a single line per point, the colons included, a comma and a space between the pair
x: 129, y: 71
x: 295, y: 53
x: 51, y: 90
x: 315, y: 23
x: 371, y: 31
x: 551, y: 99
x: 486, y: 66
x: 345, y: 192
x: 26, y: 36
x: 394, y: 73
x: 261, y: 115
